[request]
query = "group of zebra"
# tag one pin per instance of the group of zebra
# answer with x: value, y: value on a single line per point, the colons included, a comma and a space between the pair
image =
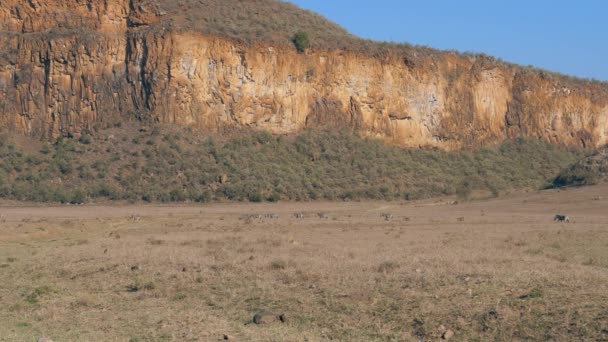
x: 324, y: 216
x: 271, y: 216
x: 557, y: 218
x: 320, y: 215
x: 298, y: 215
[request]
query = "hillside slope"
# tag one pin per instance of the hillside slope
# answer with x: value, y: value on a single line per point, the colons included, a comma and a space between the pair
x: 70, y: 67
x: 587, y: 171
x: 168, y: 164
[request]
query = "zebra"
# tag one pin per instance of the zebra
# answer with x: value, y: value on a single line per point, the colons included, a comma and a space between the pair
x: 299, y: 216
x: 322, y: 216
x: 387, y: 216
x: 561, y: 218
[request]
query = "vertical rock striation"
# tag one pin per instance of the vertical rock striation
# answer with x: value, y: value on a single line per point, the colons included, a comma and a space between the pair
x: 70, y: 66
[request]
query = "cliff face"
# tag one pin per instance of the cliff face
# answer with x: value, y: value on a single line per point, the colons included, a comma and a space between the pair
x: 71, y: 66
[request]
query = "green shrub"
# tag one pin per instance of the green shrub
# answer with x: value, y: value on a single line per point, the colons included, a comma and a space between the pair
x: 45, y: 149
x: 589, y: 171
x: 77, y: 197
x: 177, y: 195
x: 301, y: 41
x: 255, y: 197
x: 85, y: 139
x: 274, y: 197
x: 536, y: 293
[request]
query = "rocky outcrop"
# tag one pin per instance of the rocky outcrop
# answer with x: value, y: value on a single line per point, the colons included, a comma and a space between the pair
x: 70, y: 66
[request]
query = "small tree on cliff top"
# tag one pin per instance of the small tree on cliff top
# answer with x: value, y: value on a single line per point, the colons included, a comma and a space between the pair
x: 301, y: 41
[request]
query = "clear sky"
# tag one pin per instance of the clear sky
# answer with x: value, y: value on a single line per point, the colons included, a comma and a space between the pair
x: 570, y: 37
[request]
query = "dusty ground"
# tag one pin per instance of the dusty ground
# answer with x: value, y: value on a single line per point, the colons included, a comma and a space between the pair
x: 495, y: 270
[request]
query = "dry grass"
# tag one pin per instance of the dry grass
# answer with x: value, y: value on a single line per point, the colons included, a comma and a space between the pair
x: 249, y: 22
x: 507, y: 273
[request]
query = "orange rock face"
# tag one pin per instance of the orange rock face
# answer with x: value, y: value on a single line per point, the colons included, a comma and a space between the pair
x: 68, y: 66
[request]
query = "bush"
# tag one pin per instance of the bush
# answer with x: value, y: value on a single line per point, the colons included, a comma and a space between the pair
x: 589, y: 171
x: 46, y: 149
x: 78, y: 197
x: 464, y: 191
x: 263, y: 167
x: 274, y: 197
x: 177, y: 195
x: 85, y: 139
x: 255, y: 197
x: 301, y: 41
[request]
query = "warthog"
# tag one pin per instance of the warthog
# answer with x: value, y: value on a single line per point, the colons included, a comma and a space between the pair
x: 561, y: 218
x: 387, y: 216
x: 271, y: 216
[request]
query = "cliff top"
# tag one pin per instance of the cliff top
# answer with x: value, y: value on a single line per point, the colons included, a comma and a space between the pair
x: 275, y: 22
x: 253, y: 21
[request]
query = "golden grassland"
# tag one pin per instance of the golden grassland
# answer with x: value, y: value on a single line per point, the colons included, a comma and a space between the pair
x: 492, y: 270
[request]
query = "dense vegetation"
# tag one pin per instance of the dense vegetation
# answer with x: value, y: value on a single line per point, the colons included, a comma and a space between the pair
x: 171, y: 164
x: 589, y: 171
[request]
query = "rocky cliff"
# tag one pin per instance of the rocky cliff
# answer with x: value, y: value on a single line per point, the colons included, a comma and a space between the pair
x: 70, y: 66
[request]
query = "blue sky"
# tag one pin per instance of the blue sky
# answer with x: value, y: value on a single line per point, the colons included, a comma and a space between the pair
x: 570, y: 37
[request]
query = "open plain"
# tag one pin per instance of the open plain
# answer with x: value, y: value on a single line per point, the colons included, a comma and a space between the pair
x: 488, y: 270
